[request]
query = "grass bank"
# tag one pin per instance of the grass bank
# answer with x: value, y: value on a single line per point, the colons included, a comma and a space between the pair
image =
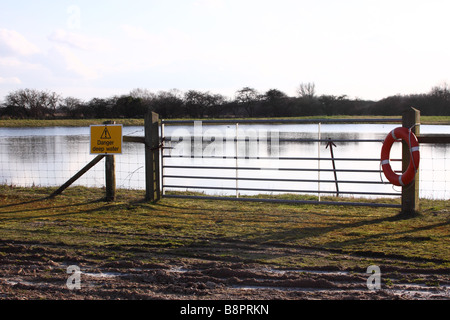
x: 131, y: 229
x: 435, y: 120
x: 32, y: 123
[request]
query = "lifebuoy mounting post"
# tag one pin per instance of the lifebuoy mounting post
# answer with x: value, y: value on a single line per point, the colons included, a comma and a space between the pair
x: 410, y: 193
x: 409, y: 179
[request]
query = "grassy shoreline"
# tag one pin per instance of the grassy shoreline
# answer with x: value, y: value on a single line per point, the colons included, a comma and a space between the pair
x: 31, y: 123
x: 17, y: 123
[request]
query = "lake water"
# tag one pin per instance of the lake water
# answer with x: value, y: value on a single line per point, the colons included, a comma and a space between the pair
x: 50, y: 156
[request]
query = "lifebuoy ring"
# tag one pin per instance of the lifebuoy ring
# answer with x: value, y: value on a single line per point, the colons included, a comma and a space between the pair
x: 410, y: 138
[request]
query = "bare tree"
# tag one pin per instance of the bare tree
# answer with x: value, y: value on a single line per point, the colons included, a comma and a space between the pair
x: 248, y: 98
x: 72, y: 107
x: 202, y: 103
x: 441, y: 91
x: 32, y: 103
x: 50, y: 101
x: 274, y: 95
x: 306, y: 90
x: 168, y: 104
x: 143, y: 94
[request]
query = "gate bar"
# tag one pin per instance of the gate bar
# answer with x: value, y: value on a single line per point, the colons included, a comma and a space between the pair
x: 282, y: 190
x: 273, y: 179
x: 335, y: 203
x: 275, y: 169
x: 314, y: 121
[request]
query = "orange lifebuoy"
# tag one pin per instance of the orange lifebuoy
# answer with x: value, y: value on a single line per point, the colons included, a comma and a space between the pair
x: 410, y: 138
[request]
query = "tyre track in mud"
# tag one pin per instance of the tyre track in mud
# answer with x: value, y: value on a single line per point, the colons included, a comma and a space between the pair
x: 224, y: 269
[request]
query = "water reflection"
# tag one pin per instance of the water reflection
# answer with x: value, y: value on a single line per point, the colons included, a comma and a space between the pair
x: 29, y: 148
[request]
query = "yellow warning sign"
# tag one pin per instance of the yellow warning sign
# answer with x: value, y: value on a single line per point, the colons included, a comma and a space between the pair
x: 106, y: 139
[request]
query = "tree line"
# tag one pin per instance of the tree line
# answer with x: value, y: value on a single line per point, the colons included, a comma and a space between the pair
x: 247, y: 102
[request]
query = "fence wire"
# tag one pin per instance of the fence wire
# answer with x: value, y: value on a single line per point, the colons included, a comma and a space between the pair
x: 244, y: 165
x: 49, y: 161
x: 434, y: 172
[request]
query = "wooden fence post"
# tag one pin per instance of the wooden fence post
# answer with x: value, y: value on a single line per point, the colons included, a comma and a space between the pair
x: 410, y: 193
x: 152, y: 172
x: 110, y: 174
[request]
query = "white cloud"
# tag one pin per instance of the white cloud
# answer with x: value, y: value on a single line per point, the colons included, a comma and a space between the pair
x: 13, y: 42
x: 210, y: 4
x: 136, y: 33
x: 65, y: 62
x: 12, y: 80
x: 144, y: 49
x: 14, y: 63
x: 79, y: 41
x: 10, y: 62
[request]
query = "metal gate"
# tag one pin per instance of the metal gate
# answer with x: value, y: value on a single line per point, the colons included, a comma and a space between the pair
x: 274, y: 161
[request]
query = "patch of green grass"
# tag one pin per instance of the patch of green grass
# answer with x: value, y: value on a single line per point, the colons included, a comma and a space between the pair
x: 436, y: 120
x: 66, y: 122
x: 80, y: 220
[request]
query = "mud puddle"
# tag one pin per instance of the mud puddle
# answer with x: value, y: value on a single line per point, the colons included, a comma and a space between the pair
x: 29, y: 273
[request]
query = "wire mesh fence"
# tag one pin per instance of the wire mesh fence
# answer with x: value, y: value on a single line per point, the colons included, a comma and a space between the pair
x: 434, y: 172
x: 245, y: 162
x: 48, y: 158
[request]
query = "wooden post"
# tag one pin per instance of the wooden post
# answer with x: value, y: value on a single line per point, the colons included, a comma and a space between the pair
x: 152, y: 172
x: 110, y: 174
x: 410, y: 193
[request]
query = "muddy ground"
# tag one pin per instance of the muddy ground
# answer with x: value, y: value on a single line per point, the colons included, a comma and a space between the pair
x: 32, y: 271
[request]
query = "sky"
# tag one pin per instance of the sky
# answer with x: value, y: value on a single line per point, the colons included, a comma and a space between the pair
x: 100, y: 48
